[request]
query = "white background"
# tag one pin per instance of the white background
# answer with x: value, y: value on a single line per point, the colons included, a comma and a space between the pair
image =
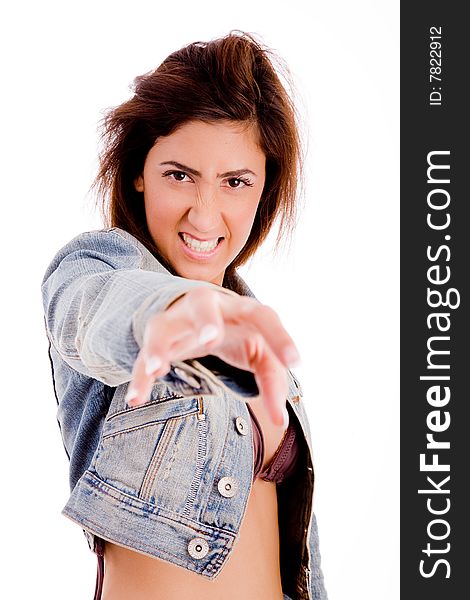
x: 336, y: 291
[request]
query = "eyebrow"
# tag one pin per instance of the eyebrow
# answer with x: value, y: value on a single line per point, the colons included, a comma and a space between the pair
x: 198, y: 174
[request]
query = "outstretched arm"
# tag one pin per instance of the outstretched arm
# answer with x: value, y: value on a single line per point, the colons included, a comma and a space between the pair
x: 98, y: 293
x: 114, y: 316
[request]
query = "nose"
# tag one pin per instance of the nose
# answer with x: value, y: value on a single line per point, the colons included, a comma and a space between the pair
x: 204, y: 213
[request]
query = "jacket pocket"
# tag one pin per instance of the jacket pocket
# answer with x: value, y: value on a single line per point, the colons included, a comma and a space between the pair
x: 139, y: 443
x: 152, y: 412
x: 119, y: 409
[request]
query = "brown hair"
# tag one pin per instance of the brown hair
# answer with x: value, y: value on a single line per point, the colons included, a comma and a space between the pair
x: 230, y: 78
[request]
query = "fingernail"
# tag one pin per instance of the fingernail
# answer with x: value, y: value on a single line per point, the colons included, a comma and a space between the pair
x: 152, y: 364
x: 131, y: 395
x: 291, y: 356
x: 208, y: 333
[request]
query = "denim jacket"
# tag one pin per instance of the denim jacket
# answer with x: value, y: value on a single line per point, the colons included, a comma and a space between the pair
x: 170, y: 478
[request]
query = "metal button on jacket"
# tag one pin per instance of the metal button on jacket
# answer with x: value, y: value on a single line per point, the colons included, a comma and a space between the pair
x: 198, y: 547
x: 242, y: 425
x: 228, y: 486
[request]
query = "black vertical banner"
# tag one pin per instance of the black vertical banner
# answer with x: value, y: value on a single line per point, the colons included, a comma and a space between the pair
x: 435, y: 313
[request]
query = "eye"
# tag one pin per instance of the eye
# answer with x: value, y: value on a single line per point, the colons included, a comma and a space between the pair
x: 178, y: 175
x: 238, y: 180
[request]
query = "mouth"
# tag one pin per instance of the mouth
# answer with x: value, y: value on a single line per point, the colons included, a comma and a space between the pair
x: 200, y: 248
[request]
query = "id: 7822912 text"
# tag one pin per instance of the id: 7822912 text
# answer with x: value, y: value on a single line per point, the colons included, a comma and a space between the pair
x: 435, y: 66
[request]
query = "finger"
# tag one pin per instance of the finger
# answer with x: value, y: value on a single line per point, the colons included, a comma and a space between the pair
x: 161, y: 332
x: 195, y: 322
x: 271, y: 378
x: 141, y: 382
x: 206, y: 315
x: 267, y: 322
x: 208, y: 331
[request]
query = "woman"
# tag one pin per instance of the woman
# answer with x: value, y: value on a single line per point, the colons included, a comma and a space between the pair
x: 189, y: 446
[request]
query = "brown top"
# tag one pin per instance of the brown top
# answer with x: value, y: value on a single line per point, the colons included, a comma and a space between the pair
x: 285, y: 458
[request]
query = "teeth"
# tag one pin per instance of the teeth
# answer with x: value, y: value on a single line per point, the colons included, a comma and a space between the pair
x: 198, y: 245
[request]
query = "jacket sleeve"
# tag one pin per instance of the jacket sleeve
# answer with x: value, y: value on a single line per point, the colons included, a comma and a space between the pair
x: 98, y: 293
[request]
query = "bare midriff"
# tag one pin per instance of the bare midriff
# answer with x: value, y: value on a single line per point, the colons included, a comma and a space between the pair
x: 252, y: 572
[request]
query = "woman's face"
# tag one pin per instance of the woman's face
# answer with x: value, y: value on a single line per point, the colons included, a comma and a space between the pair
x: 202, y: 185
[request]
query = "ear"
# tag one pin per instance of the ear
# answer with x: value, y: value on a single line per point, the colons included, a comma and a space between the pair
x: 139, y: 183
